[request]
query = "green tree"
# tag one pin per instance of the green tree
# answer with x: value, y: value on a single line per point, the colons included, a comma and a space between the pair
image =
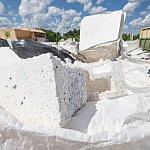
x: 126, y: 37
x: 52, y: 36
x: 56, y: 36
x: 135, y: 37
x: 72, y: 34
x: 7, y: 34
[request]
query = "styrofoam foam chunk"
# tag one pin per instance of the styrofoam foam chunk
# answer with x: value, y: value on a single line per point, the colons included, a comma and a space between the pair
x: 101, y: 28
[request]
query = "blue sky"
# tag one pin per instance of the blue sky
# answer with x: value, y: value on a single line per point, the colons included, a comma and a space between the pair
x: 65, y: 15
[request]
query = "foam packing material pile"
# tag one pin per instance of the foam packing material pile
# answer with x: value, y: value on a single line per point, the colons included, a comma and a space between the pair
x: 134, y: 131
x: 42, y: 90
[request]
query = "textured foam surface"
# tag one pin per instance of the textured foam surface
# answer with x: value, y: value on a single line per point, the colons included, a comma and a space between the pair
x: 42, y: 90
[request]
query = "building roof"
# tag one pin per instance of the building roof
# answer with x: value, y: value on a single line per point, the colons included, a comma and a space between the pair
x: 33, y: 30
x: 25, y: 29
x: 145, y: 28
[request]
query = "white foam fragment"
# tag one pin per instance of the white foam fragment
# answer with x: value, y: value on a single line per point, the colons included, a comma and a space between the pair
x: 112, y: 116
x: 130, y: 46
x: 101, y: 28
x: 104, y: 79
x: 42, y: 90
x: 136, y: 77
x: 7, y: 56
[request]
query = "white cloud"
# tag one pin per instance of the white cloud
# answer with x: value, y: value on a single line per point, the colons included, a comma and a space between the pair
x: 140, y: 22
x: 143, y: 20
x: 70, y: 20
x: 4, y: 22
x: 77, y: 19
x: 52, y: 10
x: 79, y: 1
x: 125, y: 27
x: 99, y: 1
x: 2, y: 8
x: 50, y: 17
x: 12, y: 13
x: 14, y: 19
x: 96, y: 10
x: 143, y: 13
x: 87, y: 6
x: 130, y: 7
x: 28, y: 8
x: 148, y: 7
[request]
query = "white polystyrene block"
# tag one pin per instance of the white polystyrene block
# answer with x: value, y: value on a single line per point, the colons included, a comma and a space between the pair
x: 104, y: 79
x: 101, y: 28
x: 42, y: 90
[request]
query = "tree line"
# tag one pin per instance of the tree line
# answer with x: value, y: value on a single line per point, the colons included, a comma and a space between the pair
x: 129, y: 37
x: 52, y: 36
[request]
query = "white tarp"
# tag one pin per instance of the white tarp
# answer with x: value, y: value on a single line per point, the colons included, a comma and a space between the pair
x: 101, y: 28
x: 132, y: 118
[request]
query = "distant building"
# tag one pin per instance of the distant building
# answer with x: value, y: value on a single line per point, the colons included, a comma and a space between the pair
x: 34, y: 34
x: 145, y: 38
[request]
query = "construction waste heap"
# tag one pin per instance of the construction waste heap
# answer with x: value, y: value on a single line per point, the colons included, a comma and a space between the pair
x: 63, y: 98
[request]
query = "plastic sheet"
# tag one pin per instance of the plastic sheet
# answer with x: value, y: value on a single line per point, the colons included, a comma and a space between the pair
x: 131, y: 115
x: 28, y: 48
x: 3, y: 43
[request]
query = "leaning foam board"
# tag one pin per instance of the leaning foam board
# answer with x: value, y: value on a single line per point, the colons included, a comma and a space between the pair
x: 101, y: 28
x: 42, y: 91
x: 134, y: 134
